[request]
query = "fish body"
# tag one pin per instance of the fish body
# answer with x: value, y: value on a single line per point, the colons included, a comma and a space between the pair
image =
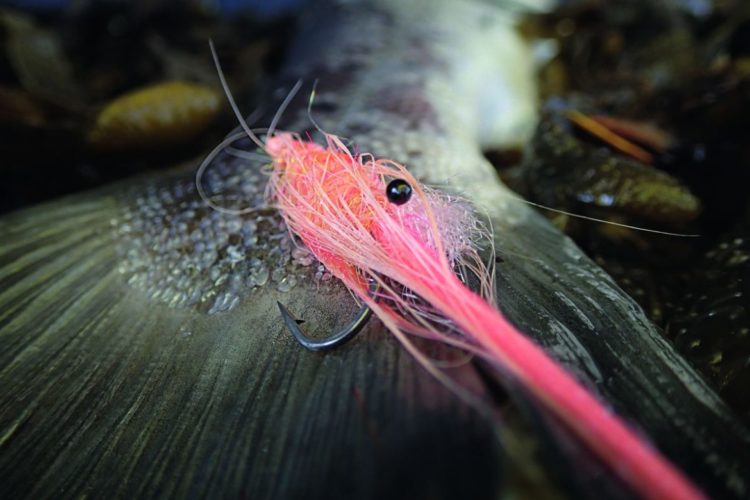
x: 141, y: 351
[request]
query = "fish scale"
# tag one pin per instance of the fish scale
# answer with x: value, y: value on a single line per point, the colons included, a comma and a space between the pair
x: 425, y: 90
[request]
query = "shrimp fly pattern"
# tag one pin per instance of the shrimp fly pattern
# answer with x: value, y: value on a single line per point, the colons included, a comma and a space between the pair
x: 389, y: 239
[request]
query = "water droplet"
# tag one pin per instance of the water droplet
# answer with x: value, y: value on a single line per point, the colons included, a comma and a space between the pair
x: 286, y: 284
x: 234, y: 254
x: 261, y: 275
x: 233, y: 225
x: 278, y: 274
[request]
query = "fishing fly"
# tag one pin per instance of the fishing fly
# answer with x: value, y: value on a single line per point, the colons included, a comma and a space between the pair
x: 398, y: 246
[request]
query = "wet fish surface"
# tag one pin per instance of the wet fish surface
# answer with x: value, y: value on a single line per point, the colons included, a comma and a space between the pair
x: 142, y: 354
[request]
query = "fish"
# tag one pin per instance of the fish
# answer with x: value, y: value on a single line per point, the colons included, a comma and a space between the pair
x: 142, y: 353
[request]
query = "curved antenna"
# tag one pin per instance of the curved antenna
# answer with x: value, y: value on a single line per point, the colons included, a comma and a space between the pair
x: 201, y: 169
x: 245, y: 154
x: 309, y: 108
x: 283, y: 106
x: 603, y: 221
x: 230, y: 98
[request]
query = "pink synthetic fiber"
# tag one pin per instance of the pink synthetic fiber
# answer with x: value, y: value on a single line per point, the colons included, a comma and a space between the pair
x: 337, y: 205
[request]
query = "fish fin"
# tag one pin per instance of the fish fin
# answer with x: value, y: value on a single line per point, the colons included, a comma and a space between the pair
x: 107, y: 389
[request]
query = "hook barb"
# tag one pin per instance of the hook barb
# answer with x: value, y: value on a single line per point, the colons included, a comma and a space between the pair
x: 334, y: 340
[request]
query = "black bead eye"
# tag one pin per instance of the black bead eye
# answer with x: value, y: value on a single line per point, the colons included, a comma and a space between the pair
x: 398, y: 191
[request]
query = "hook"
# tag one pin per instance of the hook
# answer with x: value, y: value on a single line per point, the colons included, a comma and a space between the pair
x: 336, y: 339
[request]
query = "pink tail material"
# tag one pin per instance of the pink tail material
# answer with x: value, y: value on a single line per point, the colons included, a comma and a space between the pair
x: 634, y: 461
x: 640, y: 465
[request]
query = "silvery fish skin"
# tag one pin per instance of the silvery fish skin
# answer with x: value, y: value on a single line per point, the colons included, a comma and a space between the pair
x: 142, y: 352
